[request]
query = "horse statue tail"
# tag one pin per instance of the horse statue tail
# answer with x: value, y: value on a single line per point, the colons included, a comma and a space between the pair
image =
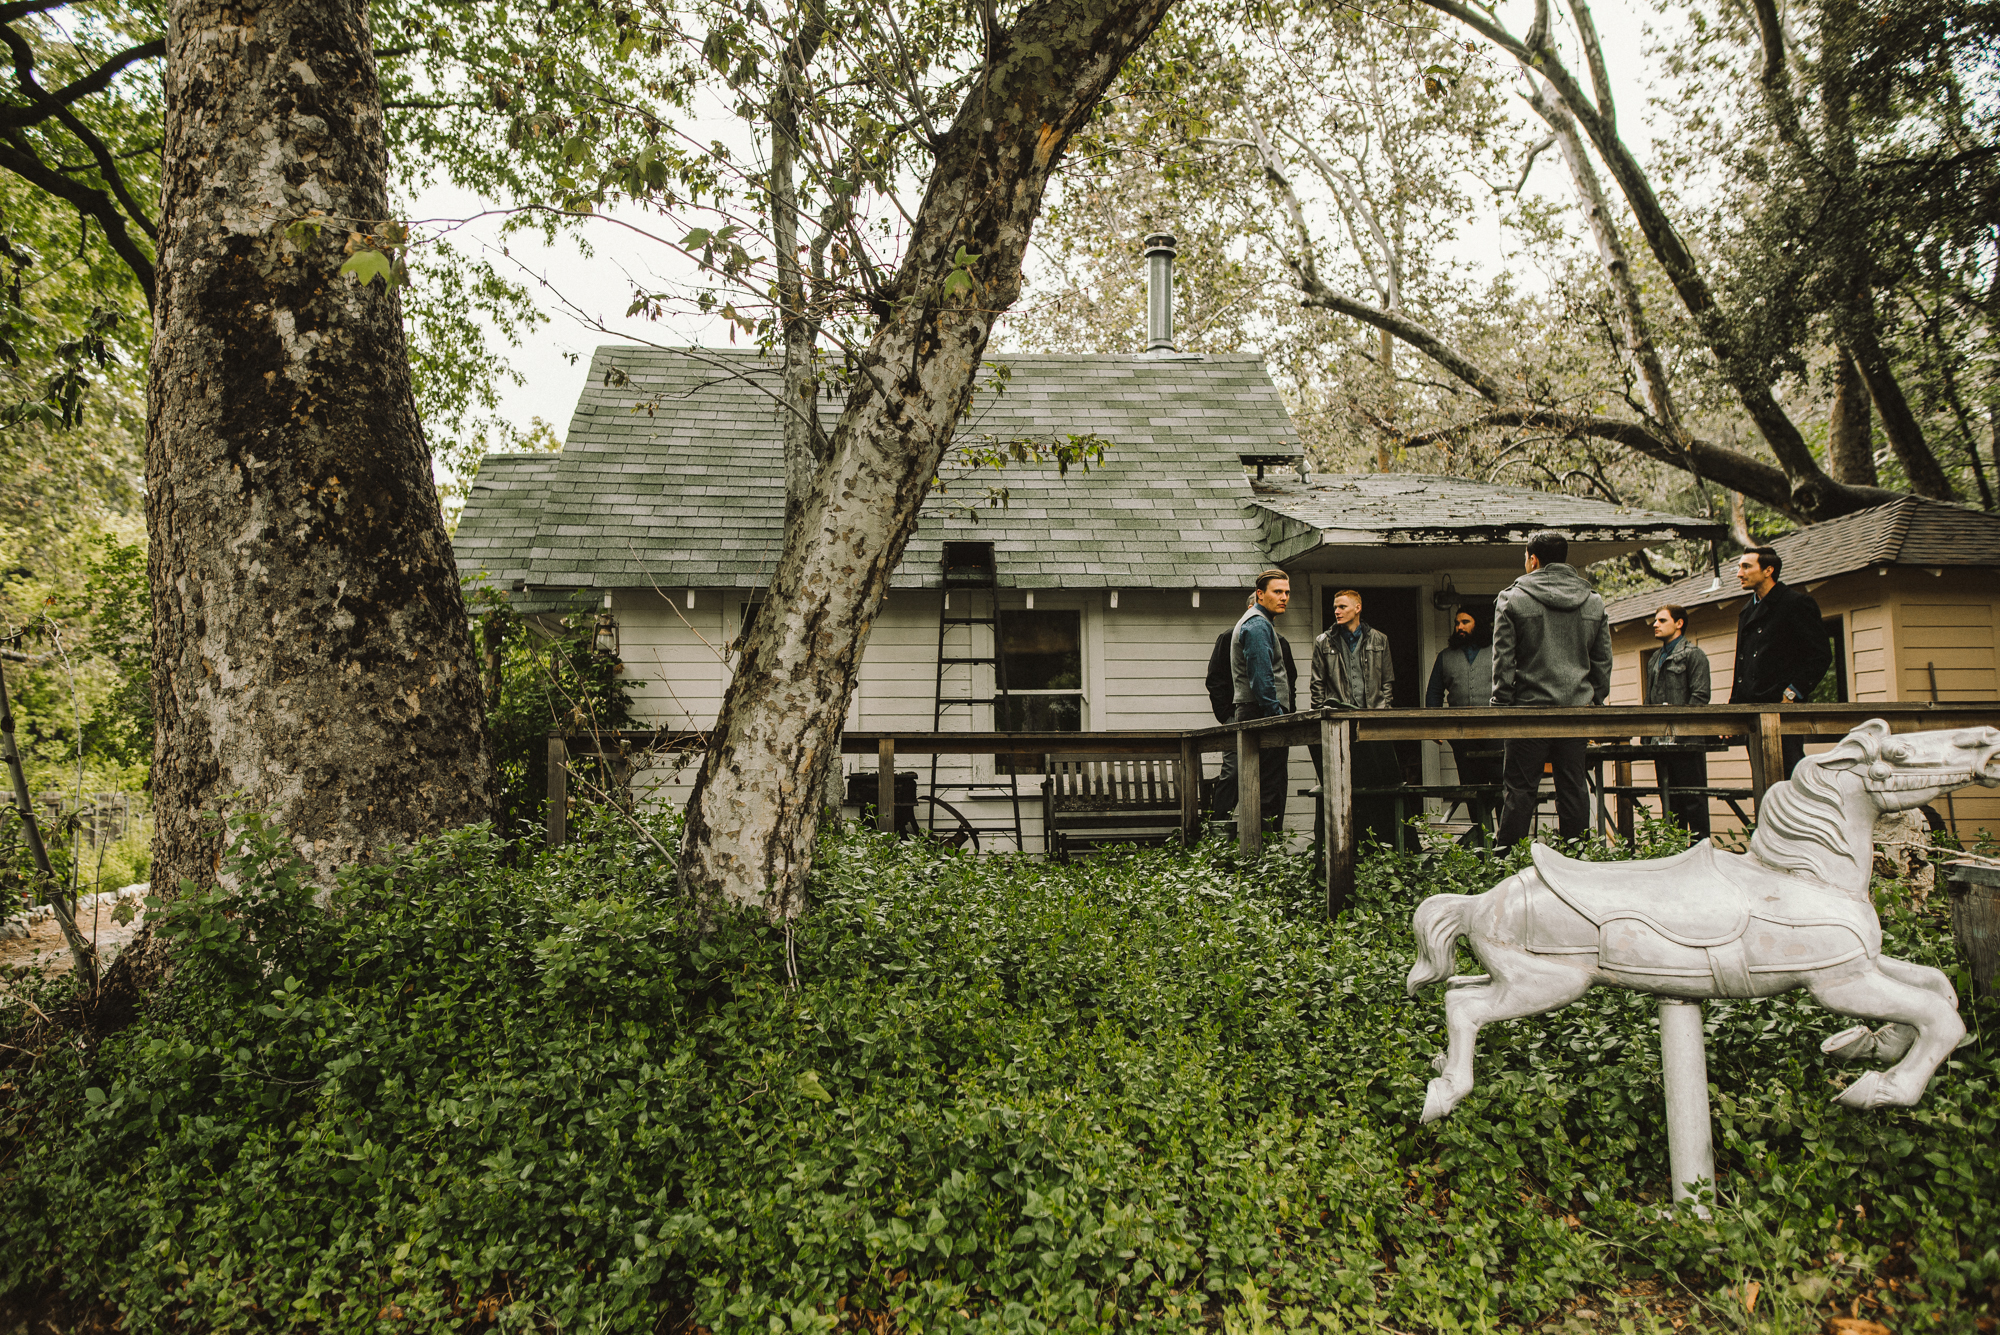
x: 1438, y: 922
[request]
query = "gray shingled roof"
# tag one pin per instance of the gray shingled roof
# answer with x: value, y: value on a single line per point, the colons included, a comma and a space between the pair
x: 1417, y: 509
x: 673, y: 477
x: 1912, y: 532
x: 692, y: 492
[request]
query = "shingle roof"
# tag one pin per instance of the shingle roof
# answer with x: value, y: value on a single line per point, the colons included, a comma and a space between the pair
x: 692, y: 492
x: 1427, y: 510
x: 1911, y: 531
x: 672, y: 475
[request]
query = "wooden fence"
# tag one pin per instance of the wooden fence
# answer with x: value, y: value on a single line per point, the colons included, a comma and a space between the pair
x: 1762, y: 729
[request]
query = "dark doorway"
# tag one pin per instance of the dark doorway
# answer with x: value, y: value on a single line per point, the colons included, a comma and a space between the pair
x: 1396, y: 611
x: 1832, y: 688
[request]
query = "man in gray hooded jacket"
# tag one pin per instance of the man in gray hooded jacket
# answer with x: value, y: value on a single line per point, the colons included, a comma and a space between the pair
x: 1551, y: 646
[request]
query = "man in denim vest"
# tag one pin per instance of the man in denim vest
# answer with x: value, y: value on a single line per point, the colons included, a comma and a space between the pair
x: 1261, y: 685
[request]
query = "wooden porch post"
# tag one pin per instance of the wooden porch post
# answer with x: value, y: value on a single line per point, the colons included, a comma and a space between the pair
x: 1767, y: 756
x: 1337, y: 792
x: 885, y: 785
x: 558, y: 792
x: 1621, y: 776
x: 1249, y: 794
x: 1190, y: 792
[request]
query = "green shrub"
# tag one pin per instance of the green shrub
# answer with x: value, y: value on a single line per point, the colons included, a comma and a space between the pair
x: 1153, y: 1090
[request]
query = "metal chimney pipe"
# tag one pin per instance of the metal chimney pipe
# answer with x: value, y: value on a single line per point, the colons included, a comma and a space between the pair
x: 1160, y: 292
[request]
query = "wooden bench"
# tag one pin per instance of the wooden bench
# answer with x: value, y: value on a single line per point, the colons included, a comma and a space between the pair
x: 1091, y: 801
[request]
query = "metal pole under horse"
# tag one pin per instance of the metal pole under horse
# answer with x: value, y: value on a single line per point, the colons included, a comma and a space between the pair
x: 1684, y: 1063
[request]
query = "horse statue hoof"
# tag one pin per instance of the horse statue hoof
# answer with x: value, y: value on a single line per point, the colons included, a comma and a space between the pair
x: 1437, y: 1062
x: 1854, y: 1043
x: 1866, y: 1092
x: 1438, y: 1100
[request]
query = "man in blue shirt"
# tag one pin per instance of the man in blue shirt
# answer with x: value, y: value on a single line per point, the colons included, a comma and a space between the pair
x: 1261, y: 685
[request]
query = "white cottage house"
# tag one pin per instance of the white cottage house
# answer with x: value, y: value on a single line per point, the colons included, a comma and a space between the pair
x: 1089, y: 601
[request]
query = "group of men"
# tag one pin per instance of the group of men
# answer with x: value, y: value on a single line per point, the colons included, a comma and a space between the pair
x: 1549, y: 645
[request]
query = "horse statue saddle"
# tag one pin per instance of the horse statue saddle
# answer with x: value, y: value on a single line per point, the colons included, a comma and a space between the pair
x: 1695, y: 916
x: 1685, y: 898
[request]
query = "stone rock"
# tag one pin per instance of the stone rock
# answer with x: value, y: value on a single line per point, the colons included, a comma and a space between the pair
x: 1903, y: 849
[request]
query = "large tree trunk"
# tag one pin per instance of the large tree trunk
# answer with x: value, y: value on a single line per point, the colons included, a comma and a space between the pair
x: 753, y: 816
x: 1850, y: 437
x: 311, y: 654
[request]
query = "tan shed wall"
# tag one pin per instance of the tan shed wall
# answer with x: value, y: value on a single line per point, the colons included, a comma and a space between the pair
x: 1897, y: 625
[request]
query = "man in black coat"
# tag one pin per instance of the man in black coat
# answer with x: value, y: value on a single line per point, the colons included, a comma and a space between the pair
x: 1781, y: 646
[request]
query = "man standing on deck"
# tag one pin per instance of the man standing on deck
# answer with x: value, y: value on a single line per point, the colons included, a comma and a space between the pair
x: 1551, y: 646
x: 1262, y: 686
x: 1781, y: 646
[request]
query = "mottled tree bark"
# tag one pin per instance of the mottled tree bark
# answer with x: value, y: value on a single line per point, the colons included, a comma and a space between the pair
x: 311, y: 654
x: 753, y: 816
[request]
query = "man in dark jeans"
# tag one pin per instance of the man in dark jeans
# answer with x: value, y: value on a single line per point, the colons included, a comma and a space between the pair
x: 1551, y: 646
x: 1261, y: 685
x: 1678, y: 675
x: 1781, y: 645
x: 1222, y: 703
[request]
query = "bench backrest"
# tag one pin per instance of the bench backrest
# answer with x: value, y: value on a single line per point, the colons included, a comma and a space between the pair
x: 1126, y: 781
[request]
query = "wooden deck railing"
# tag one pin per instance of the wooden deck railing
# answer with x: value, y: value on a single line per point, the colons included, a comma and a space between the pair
x: 1762, y: 728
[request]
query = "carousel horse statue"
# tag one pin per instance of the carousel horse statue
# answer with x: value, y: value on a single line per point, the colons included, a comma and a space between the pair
x: 1791, y: 912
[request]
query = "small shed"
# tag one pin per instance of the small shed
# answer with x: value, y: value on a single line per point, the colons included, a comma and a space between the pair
x: 1088, y: 601
x: 1911, y: 604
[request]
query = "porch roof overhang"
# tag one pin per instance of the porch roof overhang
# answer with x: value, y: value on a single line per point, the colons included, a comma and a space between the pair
x: 1404, y: 522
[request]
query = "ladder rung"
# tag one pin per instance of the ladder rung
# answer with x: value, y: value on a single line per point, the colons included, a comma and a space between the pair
x: 968, y: 660
x: 947, y: 701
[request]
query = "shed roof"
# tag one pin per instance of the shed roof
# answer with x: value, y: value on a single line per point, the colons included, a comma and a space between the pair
x: 1311, y: 524
x: 1912, y: 531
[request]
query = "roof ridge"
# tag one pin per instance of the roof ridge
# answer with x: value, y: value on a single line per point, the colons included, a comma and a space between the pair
x: 1891, y: 544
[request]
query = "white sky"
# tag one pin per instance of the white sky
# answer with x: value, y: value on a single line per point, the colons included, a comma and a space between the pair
x: 572, y: 286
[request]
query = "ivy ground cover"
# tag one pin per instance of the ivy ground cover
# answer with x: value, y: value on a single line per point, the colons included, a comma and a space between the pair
x: 1156, y: 1091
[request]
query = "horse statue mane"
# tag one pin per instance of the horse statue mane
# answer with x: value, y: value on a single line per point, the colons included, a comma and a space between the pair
x: 1803, y: 826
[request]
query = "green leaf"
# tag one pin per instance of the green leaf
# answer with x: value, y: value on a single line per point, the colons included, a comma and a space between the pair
x: 808, y: 1084
x: 365, y: 266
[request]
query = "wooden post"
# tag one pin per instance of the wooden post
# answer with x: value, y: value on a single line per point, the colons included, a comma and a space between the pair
x: 558, y: 813
x: 1767, y: 755
x: 1249, y: 794
x: 1975, y: 921
x: 1190, y: 791
x: 1621, y: 775
x: 885, y: 785
x: 1337, y: 792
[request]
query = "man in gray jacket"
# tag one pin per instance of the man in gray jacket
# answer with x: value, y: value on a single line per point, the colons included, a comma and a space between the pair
x: 1551, y: 646
x: 1677, y: 674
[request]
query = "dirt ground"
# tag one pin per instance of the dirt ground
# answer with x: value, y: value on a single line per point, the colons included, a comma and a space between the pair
x: 44, y: 948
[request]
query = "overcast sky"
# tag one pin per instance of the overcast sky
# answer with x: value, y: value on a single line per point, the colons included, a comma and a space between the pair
x: 576, y: 289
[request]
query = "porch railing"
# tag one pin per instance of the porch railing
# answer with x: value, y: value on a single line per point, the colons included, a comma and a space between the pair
x: 1762, y: 729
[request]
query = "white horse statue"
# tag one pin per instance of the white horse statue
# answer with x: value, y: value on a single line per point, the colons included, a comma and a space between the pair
x: 1792, y: 912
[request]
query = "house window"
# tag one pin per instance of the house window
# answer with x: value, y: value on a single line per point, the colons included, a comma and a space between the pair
x: 1040, y: 674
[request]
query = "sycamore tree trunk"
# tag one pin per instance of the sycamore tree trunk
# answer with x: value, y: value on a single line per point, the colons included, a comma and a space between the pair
x: 311, y: 653
x: 753, y: 816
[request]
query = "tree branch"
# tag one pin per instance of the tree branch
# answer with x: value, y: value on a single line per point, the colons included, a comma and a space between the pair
x: 17, y: 158
x: 46, y: 103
